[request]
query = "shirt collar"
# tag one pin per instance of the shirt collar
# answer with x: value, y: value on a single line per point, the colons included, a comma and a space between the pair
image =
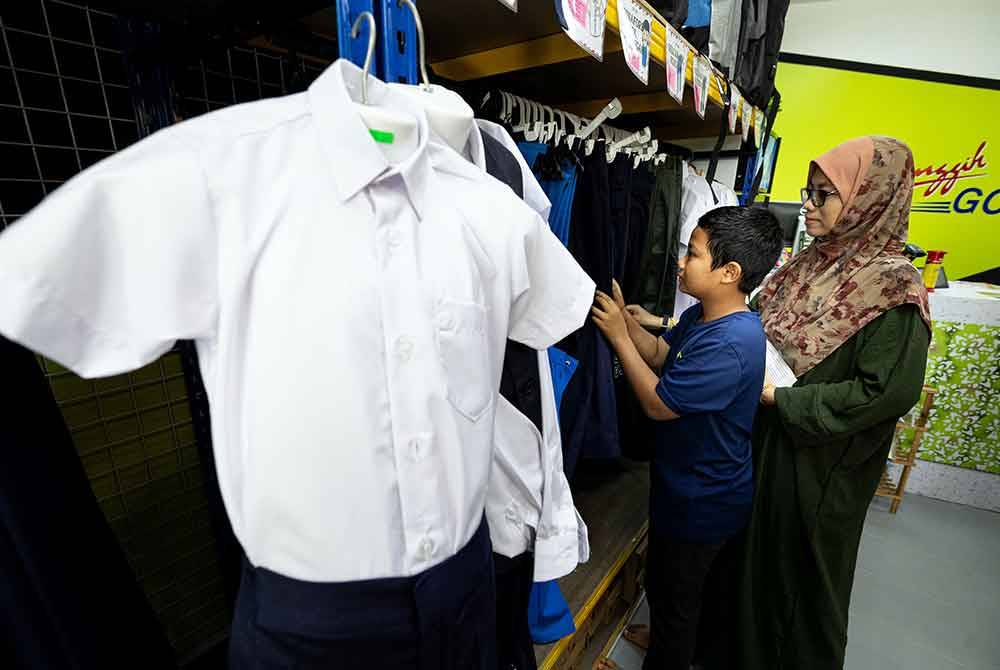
x: 355, y: 160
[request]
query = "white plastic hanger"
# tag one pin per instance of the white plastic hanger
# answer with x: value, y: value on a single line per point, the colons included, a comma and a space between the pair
x: 610, y: 111
x: 448, y: 115
x: 532, y: 132
x: 395, y: 133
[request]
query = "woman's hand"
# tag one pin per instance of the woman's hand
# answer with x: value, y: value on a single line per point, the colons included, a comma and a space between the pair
x: 767, y: 395
x: 609, y: 319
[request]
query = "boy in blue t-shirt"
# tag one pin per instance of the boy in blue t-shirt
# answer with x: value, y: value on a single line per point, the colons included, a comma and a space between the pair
x: 704, y: 399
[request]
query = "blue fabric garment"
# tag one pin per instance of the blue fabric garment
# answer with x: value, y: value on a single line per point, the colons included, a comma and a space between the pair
x: 548, y: 613
x: 563, y: 366
x: 560, y: 192
x: 699, y: 14
x: 702, y: 479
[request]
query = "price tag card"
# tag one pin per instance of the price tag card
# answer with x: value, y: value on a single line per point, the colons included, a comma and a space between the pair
x: 734, y: 107
x: 584, y: 23
x: 635, y: 26
x: 677, y: 59
x: 747, y: 119
x: 702, y: 77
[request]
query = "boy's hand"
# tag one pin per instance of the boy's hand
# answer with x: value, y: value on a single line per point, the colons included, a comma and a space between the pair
x: 767, y: 395
x: 609, y: 319
x: 644, y: 318
x: 616, y: 293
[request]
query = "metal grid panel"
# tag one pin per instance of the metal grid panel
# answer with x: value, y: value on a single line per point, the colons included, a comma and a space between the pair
x: 65, y: 105
x: 237, y: 75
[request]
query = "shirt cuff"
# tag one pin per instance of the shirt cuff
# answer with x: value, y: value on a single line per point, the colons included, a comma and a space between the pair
x: 560, y: 549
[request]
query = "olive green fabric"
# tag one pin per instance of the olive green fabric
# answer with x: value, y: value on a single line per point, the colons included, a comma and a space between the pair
x: 818, y: 458
x: 658, y: 271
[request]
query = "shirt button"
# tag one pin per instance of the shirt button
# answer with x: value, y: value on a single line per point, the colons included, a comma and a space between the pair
x: 512, y: 516
x: 404, y: 348
x: 418, y: 449
x: 446, y: 321
x: 426, y: 548
x: 394, y: 238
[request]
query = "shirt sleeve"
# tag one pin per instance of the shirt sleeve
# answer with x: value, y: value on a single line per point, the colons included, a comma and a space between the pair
x: 702, y: 379
x: 116, y: 265
x: 552, y: 293
x: 887, y: 378
x: 534, y: 195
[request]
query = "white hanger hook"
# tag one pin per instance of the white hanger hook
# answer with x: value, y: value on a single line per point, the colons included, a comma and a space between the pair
x: 420, y: 41
x: 371, y: 49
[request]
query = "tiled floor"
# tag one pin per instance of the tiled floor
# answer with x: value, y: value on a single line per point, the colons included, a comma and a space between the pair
x: 926, y: 593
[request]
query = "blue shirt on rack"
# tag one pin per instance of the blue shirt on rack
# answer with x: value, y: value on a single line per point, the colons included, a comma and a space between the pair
x: 702, y: 479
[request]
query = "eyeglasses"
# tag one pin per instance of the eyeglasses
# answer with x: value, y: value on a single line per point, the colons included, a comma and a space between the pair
x: 817, y: 196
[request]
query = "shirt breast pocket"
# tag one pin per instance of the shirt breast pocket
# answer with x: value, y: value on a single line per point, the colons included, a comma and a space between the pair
x: 464, y: 350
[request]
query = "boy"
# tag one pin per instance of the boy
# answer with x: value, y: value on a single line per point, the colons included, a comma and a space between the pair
x: 704, y: 400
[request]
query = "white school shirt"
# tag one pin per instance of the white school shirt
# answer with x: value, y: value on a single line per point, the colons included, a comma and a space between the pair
x: 529, y: 504
x: 350, y: 316
x: 696, y: 200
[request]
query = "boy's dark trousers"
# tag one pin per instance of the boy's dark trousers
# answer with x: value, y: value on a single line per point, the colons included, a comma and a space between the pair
x: 690, y: 591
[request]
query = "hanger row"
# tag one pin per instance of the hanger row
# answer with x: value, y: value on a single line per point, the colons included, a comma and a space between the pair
x: 541, y: 123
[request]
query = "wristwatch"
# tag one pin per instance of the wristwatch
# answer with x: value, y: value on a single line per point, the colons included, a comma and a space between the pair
x: 668, y: 322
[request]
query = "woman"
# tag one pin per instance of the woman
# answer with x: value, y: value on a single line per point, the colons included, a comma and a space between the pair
x: 850, y: 316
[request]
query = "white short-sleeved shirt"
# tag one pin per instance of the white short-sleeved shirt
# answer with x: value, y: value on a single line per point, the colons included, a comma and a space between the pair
x: 697, y: 199
x: 529, y: 504
x: 350, y: 316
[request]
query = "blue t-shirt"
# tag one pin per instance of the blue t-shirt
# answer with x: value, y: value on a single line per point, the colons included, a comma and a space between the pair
x: 702, y: 475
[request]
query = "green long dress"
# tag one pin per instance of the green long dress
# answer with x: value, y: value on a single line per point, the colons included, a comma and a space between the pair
x: 818, y: 456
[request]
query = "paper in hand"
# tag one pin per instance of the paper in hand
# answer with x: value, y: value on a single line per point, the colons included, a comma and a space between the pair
x: 777, y: 371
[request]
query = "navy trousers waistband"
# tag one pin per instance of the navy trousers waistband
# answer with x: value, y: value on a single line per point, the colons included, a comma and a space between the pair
x: 442, y: 618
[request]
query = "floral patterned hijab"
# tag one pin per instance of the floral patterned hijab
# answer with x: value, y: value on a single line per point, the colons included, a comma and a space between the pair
x: 843, y: 281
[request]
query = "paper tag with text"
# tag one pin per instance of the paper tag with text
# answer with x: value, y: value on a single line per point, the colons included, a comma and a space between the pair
x: 635, y: 27
x: 747, y: 119
x: 702, y: 77
x: 585, y: 20
x: 677, y: 59
x: 734, y: 107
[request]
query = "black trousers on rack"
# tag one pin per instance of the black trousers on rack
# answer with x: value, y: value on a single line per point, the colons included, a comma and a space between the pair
x: 68, y: 597
x: 441, y: 619
x: 620, y: 174
x: 515, y: 649
x: 589, y: 420
x: 658, y: 276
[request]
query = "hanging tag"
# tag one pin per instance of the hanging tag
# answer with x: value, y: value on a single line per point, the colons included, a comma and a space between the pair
x: 734, y: 107
x: 747, y: 119
x: 634, y: 25
x: 758, y: 126
x: 677, y: 58
x: 510, y: 4
x: 382, y: 136
x: 702, y: 72
x: 583, y: 21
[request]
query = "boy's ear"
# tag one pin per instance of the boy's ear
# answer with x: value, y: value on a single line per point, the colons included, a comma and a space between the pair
x: 732, y: 272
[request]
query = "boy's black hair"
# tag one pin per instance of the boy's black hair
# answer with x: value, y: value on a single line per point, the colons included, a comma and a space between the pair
x: 750, y: 236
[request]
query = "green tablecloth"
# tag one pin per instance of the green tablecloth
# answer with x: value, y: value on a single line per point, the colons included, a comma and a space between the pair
x: 964, y: 366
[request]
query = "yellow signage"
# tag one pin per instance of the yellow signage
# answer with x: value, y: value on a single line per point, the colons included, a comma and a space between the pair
x: 951, y: 129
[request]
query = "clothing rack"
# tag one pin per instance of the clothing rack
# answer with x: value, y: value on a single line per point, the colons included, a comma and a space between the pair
x: 540, y: 122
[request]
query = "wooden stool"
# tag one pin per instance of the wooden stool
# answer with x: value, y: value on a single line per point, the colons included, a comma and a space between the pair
x: 894, y: 490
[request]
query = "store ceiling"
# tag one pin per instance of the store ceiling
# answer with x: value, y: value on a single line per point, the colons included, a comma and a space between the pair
x: 458, y: 32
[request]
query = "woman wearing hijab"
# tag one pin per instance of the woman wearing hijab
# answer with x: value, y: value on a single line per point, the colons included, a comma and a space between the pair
x: 850, y: 316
